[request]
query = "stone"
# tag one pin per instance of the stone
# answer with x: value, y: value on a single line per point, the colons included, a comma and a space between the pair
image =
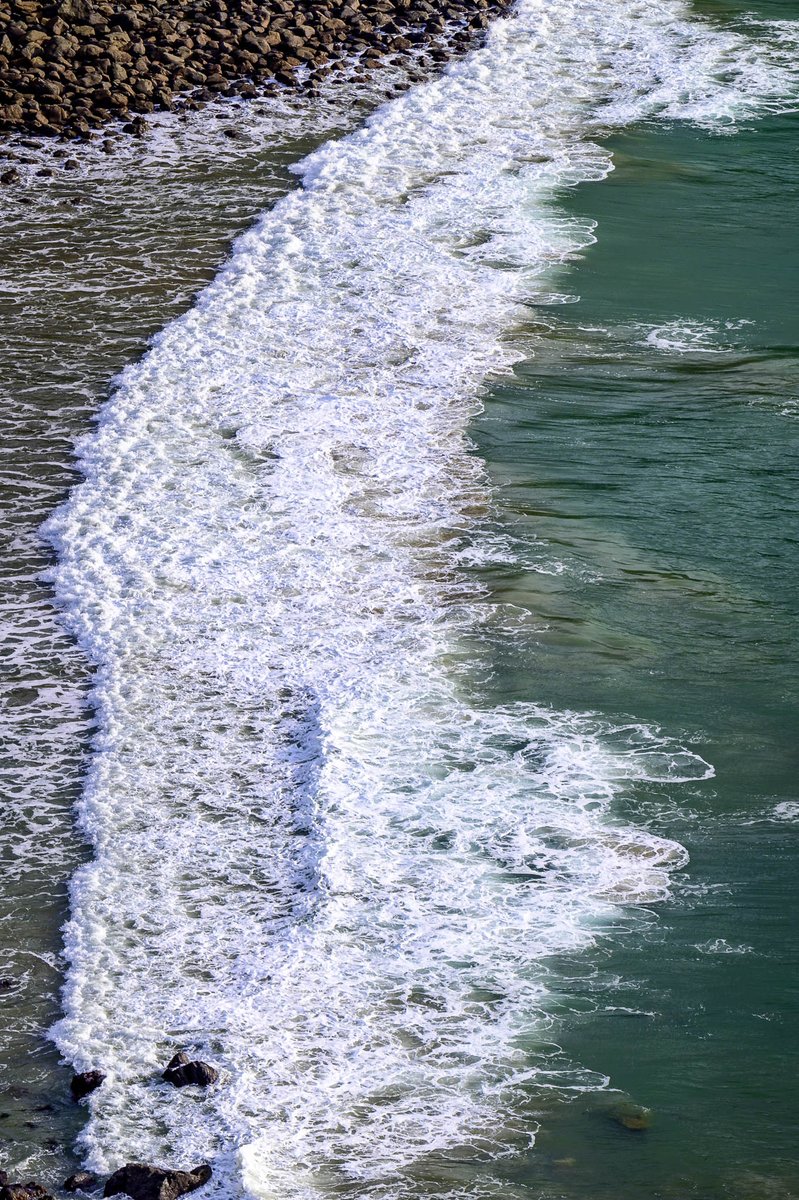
x: 24, y: 1191
x: 182, y: 1072
x: 72, y: 65
x: 12, y: 175
x: 141, y: 1181
x: 631, y: 1116
x: 81, y: 1181
x: 84, y: 1082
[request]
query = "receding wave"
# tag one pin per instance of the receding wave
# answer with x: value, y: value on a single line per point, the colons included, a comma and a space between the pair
x: 320, y: 860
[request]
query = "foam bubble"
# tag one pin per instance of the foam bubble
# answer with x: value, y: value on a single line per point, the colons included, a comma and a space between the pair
x: 322, y: 861
x: 693, y: 337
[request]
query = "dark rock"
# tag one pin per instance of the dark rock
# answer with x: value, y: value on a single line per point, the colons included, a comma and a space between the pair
x: 181, y: 1059
x: 141, y: 1181
x: 81, y: 1181
x: 86, y: 1081
x: 12, y: 175
x: 24, y: 1191
x: 184, y: 1073
x: 631, y: 1116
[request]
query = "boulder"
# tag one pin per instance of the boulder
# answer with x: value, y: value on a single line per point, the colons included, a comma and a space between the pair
x: 24, y: 1191
x: 141, y: 1181
x: 181, y: 1071
x: 81, y: 1181
x: 631, y: 1116
x: 84, y: 1082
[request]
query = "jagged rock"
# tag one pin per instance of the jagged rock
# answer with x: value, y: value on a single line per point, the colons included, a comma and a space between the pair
x: 181, y: 1071
x: 81, y: 1181
x: 141, y: 1181
x: 24, y: 1191
x: 181, y: 1059
x: 85, y: 1082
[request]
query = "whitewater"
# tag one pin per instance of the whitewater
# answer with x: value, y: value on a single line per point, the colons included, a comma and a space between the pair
x: 322, y: 861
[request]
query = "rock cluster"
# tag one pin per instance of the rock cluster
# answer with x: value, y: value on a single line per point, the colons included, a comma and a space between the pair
x: 70, y: 66
x: 141, y: 1181
x: 22, y: 1191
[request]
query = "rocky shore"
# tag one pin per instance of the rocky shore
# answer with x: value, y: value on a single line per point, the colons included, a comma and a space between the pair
x: 69, y: 67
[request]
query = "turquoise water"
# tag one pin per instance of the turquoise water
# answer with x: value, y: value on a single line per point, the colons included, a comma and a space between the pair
x: 658, y: 486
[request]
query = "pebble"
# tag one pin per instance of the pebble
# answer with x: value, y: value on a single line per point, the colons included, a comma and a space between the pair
x: 73, y: 67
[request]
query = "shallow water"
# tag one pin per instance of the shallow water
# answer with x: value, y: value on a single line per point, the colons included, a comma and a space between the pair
x: 93, y: 264
x: 432, y: 727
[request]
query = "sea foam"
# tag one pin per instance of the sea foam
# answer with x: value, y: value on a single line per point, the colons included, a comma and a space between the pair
x: 321, y: 861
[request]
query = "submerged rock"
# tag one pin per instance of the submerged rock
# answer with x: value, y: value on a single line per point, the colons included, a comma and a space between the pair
x: 81, y: 1181
x: 85, y: 1082
x: 141, y: 1181
x: 181, y: 1071
x: 631, y: 1116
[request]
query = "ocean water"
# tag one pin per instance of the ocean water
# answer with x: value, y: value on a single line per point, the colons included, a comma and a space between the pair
x: 435, y: 572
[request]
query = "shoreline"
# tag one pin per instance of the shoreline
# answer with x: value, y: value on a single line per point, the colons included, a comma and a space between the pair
x: 69, y: 70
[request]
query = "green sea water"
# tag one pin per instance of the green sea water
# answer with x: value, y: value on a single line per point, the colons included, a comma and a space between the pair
x: 648, y: 455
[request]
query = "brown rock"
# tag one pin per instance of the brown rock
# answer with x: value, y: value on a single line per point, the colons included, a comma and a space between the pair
x: 81, y: 1181
x: 141, y: 1181
x: 24, y: 1191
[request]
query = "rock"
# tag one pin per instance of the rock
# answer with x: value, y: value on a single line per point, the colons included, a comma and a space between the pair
x: 24, y: 1191
x: 86, y: 1081
x: 141, y: 1181
x: 73, y: 65
x: 181, y: 1059
x: 81, y: 1181
x: 182, y: 1072
x: 631, y: 1116
x: 12, y: 175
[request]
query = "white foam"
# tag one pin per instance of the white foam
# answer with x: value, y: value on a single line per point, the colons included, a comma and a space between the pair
x: 786, y: 810
x: 694, y: 337
x: 322, y: 861
x: 722, y: 946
